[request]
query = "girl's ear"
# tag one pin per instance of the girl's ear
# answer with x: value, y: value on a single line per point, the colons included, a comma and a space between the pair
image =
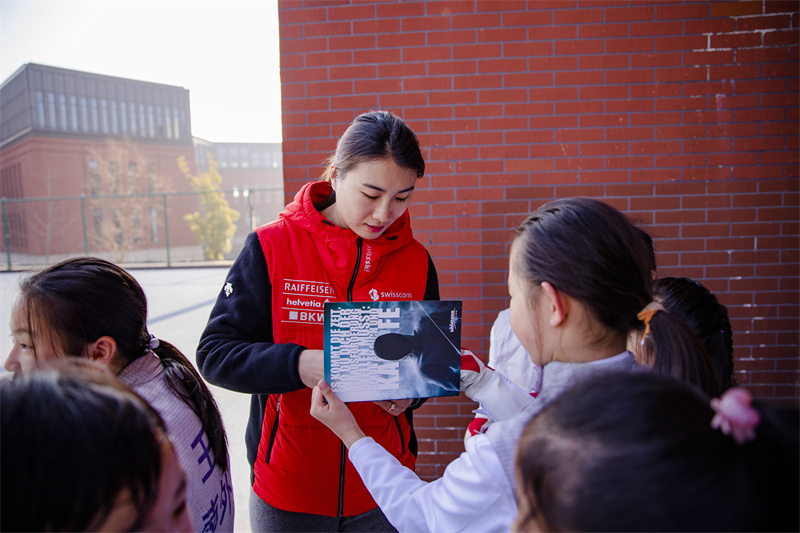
x: 556, y: 304
x: 102, y: 350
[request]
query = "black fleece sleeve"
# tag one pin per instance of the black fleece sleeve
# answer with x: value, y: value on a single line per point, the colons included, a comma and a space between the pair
x: 432, y: 284
x: 236, y: 350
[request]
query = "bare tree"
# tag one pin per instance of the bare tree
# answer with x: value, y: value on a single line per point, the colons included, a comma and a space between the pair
x: 124, y: 179
x: 50, y: 221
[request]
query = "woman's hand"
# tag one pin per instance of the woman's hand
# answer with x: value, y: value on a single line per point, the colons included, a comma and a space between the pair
x: 311, y: 367
x: 394, y: 407
x: 334, y: 413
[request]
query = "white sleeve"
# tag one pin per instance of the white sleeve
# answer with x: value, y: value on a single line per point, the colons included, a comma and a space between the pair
x: 474, y: 494
x: 499, y: 397
x: 498, y: 336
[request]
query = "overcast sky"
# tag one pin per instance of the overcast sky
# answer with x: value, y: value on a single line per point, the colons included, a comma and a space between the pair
x: 225, y: 53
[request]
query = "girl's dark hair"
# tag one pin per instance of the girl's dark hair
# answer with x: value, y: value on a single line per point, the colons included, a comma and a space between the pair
x: 592, y: 252
x: 75, y: 302
x: 73, y: 439
x: 699, y: 308
x: 636, y: 452
x: 372, y: 136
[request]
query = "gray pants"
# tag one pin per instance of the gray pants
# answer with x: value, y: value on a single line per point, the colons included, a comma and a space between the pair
x: 266, y: 518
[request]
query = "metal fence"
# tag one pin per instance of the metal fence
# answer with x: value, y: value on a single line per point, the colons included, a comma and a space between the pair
x: 131, y: 229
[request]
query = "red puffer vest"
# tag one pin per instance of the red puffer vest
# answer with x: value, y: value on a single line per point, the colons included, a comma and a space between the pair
x: 301, y: 466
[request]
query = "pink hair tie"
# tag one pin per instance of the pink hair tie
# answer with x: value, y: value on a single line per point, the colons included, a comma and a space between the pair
x: 735, y: 415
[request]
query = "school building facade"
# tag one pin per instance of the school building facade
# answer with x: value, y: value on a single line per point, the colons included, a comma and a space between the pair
x: 104, y: 149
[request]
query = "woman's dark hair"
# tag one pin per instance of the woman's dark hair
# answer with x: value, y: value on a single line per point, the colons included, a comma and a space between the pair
x: 592, y: 252
x: 690, y: 301
x: 74, y: 438
x: 373, y: 136
x: 75, y: 302
x: 636, y: 452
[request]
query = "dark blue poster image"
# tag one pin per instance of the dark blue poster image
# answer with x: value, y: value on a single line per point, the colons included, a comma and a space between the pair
x: 392, y: 350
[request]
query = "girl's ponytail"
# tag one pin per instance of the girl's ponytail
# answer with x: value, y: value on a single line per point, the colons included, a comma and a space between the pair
x: 185, y: 382
x: 677, y: 352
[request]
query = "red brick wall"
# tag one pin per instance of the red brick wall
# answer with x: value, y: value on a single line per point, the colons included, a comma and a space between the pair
x: 685, y: 116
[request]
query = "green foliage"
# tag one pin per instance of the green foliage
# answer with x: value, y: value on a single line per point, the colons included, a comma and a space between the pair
x: 215, y: 226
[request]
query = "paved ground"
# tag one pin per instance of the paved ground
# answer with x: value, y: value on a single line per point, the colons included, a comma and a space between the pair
x: 179, y: 300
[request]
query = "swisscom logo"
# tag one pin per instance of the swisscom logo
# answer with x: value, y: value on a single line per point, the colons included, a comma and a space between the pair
x: 391, y: 295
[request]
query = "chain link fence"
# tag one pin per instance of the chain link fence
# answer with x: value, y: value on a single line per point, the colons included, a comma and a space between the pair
x: 142, y: 229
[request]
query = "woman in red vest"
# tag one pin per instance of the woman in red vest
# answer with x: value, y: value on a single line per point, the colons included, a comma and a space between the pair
x: 346, y: 237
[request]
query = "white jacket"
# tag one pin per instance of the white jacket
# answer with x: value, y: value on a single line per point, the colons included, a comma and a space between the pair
x: 476, y: 491
x: 473, y: 495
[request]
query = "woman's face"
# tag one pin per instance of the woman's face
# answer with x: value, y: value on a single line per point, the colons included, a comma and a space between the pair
x: 23, y: 359
x: 371, y: 196
x: 168, y: 513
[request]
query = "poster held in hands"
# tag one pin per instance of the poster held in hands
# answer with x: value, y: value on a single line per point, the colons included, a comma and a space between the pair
x: 392, y: 350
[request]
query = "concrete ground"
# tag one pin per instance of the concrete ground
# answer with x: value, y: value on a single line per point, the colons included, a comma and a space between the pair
x: 179, y: 302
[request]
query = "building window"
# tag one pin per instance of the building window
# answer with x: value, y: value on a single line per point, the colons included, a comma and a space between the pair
x: 97, y: 220
x: 18, y: 231
x: 222, y: 157
x: 123, y: 118
x: 73, y: 111
x: 113, y: 172
x: 11, y: 182
x: 151, y: 123
x: 244, y: 154
x: 234, y: 157
x: 154, y: 224
x: 136, y: 226
x: 134, y: 130
x: 151, y: 179
x: 114, y: 123
x: 116, y: 219
x: 62, y: 110
x: 94, y: 177
x: 168, y: 122
x: 95, y: 122
x: 254, y: 159
x: 84, y: 115
x: 176, y: 130
x: 142, y: 124
x: 159, y: 123
x: 133, y: 177
x: 104, y: 115
x: 51, y: 110
x: 40, y: 109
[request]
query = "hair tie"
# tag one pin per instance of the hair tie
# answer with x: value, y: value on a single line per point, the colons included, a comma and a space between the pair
x: 735, y: 415
x: 647, y: 314
x: 154, y: 342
